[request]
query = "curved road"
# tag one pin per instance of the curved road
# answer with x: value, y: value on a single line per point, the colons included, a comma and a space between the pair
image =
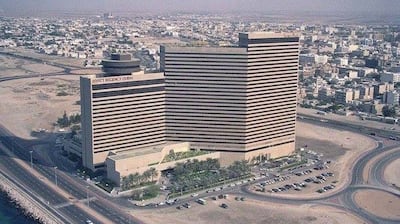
x: 346, y: 195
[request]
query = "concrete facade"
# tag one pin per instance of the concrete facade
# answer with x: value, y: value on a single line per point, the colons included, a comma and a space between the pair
x: 391, y: 97
x: 367, y: 92
x: 343, y: 96
x: 390, y: 77
x: 120, y: 113
x: 240, y: 101
x: 138, y: 161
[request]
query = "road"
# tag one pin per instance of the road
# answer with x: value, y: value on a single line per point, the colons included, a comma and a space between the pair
x: 100, y: 203
x: 45, y: 193
x: 4, y: 79
x: 377, y: 175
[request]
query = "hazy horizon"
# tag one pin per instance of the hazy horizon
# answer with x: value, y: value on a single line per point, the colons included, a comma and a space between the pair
x: 21, y: 7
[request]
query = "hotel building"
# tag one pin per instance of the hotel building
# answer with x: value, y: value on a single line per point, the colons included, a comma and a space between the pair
x: 122, y: 110
x: 240, y: 101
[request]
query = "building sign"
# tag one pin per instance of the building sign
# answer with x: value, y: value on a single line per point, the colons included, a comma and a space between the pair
x: 111, y: 79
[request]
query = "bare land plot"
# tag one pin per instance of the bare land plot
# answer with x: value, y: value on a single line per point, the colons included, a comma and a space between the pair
x: 379, y: 203
x: 10, y: 66
x: 30, y: 104
x: 248, y: 211
x: 392, y: 173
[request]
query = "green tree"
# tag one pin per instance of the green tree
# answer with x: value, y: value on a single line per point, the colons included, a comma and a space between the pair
x: 130, y: 180
x: 153, y: 173
x: 388, y: 111
x: 146, y: 175
x: 63, y: 121
x: 239, y: 168
x: 125, y: 183
x: 172, y: 155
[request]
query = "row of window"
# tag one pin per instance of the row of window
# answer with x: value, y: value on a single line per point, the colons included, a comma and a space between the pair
x: 128, y: 92
x: 127, y: 84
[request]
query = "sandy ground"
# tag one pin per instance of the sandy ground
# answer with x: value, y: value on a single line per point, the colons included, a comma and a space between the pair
x: 379, y: 203
x: 91, y: 71
x: 247, y: 212
x: 392, y: 173
x: 41, y: 68
x: 10, y: 66
x: 30, y: 104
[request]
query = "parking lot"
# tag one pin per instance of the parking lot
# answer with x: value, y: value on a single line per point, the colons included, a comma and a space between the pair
x: 313, y: 179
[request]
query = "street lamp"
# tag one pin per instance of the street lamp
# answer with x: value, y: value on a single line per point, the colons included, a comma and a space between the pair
x: 87, y: 195
x: 12, y: 144
x: 55, y: 175
x: 31, y: 158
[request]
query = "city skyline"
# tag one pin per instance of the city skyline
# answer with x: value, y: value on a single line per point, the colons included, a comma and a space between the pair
x: 360, y: 6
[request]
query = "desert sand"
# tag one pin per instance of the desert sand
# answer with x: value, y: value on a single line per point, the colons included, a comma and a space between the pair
x: 392, y: 173
x: 248, y: 212
x: 379, y: 203
x: 33, y: 103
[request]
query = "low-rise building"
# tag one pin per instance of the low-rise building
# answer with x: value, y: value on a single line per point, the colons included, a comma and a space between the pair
x: 390, y: 77
x: 391, y: 97
x: 344, y: 96
x: 160, y: 157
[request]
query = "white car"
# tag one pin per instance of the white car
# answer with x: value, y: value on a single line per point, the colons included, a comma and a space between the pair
x: 195, y: 195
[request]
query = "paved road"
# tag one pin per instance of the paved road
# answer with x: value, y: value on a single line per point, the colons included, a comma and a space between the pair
x: 347, y: 126
x: 44, y: 192
x: 77, y: 189
x: 378, y: 168
x: 9, y: 78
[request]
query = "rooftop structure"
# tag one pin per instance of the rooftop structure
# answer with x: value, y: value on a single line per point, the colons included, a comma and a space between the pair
x: 120, y: 64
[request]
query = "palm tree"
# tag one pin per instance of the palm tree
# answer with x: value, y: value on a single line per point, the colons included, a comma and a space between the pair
x: 146, y: 175
x: 153, y: 173
x: 136, y: 178
x: 124, y: 183
x: 131, y: 180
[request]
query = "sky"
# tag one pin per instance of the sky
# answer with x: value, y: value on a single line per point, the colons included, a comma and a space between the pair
x: 364, y: 6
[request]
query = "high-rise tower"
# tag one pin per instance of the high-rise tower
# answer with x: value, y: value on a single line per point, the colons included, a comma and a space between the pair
x: 122, y: 110
x: 240, y: 100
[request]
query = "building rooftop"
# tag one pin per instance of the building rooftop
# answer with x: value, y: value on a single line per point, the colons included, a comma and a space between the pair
x: 138, y: 152
x: 261, y: 35
x: 208, y: 50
